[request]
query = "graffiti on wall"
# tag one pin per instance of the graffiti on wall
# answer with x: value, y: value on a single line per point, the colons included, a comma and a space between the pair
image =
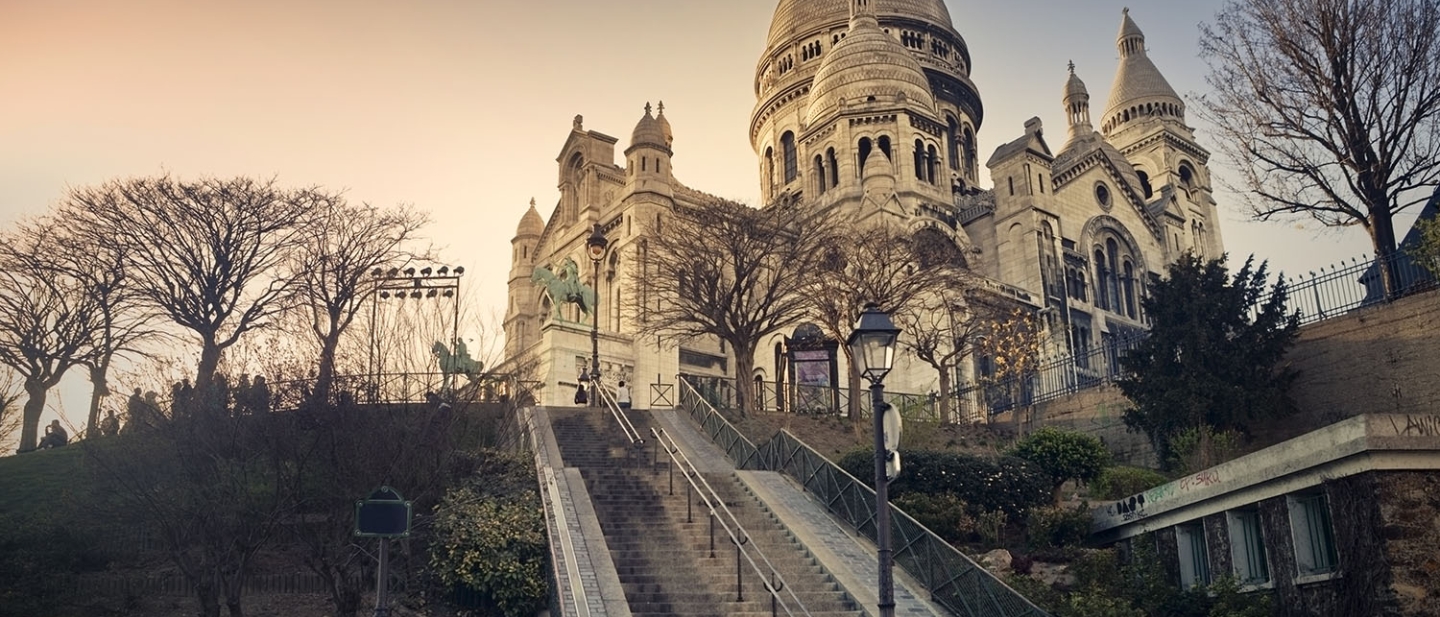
x: 1416, y: 424
x: 1136, y: 507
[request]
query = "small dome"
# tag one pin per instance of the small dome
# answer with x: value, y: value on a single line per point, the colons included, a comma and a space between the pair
x: 664, y: 124
x: 650, y: 132
x: 1074, y: 87
x: 530, y: 223
x: 867, y: 64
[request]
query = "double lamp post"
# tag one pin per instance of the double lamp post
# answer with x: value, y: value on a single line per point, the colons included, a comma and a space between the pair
x: 872, y: 348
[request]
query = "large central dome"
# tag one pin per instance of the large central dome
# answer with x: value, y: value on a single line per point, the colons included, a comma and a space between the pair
x: 863, y: 65
x: 794, y: 17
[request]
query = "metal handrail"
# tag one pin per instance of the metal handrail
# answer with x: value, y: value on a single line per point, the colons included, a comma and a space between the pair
x: 717, y: 429
x: 608, y: 399
x: 775, y: 583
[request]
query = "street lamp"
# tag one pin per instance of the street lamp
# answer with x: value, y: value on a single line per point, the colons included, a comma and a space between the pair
x: 872, y: 347
x: 595, y: 245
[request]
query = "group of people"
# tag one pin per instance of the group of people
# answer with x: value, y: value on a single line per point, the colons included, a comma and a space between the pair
x: 622, y: 394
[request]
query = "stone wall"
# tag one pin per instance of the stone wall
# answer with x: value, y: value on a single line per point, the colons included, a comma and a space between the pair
x: 1410, y: 528
x: 1376, y: 360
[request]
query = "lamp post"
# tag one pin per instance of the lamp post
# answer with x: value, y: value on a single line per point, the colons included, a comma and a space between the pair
x: 425, y: 283
x: 872, y: 346
x: 595, y: 245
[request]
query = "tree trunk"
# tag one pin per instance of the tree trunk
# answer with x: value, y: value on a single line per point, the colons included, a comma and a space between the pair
x: 744, y: 372
x: 30, y: 419
x: 946, y: 417
x: 856, y: 397
x: 209, y: 363
x: 99, y: 389
x: 1382, y: 236
x: 326, y: 374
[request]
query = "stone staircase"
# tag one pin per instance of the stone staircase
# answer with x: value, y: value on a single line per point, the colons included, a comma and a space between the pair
x: 661, y: 548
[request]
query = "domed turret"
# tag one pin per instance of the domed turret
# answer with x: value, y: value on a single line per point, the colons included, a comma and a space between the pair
x: 1077, y: 108
x: 1139, y: 90
x: 664, y: 124
x: 867, y: 66
x: 530, y: 223
x: 650, y: 132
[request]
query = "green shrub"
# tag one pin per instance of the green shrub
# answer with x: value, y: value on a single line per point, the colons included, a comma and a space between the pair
x: 945, y: 514
x: 490, y: 537
x: 1007, y: 484
x: 1122, y: 482
x: 1055, y: 527
x: 1064, y: 455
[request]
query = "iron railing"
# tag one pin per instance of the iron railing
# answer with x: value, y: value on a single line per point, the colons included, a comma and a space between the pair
x: 809, y: 399
x: 611, y: 405
x: 954, y: 580
x: 1333, y: 291
x: 697, y: 485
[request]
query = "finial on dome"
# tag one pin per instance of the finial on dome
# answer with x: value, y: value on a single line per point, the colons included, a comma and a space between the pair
x: 1072, y: 67
x: 532, y: 202
x: 662, y: 108
x: 647, y: 108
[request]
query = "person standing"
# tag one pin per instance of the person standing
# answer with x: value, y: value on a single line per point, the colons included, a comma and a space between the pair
x: 622, y: 395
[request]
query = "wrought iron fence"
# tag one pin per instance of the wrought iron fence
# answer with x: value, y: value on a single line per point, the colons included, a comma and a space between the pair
x: 1340, y: 288
x: 1329, y: 293
x: 954, y: 580
x: 810, y: 399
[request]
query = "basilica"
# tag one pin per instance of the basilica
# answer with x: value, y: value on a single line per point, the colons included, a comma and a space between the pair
x: 865, y: 109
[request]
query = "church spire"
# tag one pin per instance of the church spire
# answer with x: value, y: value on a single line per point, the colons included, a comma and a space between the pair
x: 1131, y: 40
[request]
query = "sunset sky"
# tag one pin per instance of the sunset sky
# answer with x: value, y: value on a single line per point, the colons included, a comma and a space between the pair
x: 460, y: 107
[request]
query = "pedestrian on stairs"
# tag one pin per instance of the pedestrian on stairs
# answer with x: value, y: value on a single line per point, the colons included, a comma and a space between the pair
x: 580, y: 397
x: 622, y: 395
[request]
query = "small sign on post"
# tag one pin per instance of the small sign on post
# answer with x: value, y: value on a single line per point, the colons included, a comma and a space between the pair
x: 384, y: 514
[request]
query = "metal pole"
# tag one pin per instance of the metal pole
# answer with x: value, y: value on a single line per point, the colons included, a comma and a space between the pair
x: 595, y: 335
x: 382, y: 580
x: 882, y: 504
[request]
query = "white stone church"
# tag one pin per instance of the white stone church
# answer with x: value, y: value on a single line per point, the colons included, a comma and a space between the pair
x: 865, y: 108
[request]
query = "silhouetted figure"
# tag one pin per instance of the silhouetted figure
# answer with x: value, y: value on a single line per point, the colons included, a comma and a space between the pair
x: 244, y: 400
x: 110, y: 426
x: 260, y: 395
x: 581, y: 398
x: 182, y: 397
x: 55, y: 436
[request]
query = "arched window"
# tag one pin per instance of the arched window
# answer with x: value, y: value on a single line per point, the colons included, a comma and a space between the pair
x: 884, y: 143
x: 1112, y: 255
x: 1102, y: 274
x: 1145, y: 183
x: 862, y: 152
x: 1128, y: 282
x: 932, y: 161
x: 968, y: 144
x: 834, y: 167
x: 952, y: 143
x: 1187, y: 176
x: 820, y: 174
x: 919, y: 160
x: 787, y: 148
x: 767, y: 175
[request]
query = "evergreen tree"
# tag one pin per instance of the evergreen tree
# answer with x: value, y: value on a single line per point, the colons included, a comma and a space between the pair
x: 1214, y: 354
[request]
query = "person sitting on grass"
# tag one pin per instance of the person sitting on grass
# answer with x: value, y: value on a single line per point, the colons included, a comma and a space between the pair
x: 55, y: 436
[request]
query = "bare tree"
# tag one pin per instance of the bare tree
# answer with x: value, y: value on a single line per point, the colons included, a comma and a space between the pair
x: 1012, y: 344
x: 1330, y: 108
x: 334, y: 265
x: 83, y: 251
x: 11, y: 390
x: 942, y: 329
x: 47, y: 323
x: 207, y: 253
x: 887, y: 265
x: 729, y: 271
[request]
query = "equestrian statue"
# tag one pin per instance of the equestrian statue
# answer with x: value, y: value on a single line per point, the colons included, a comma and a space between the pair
x: 565, y: 287
x: 452, y: 364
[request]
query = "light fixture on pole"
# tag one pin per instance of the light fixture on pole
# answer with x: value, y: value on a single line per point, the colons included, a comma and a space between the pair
x: 872, y: 348
x: 595, y: 245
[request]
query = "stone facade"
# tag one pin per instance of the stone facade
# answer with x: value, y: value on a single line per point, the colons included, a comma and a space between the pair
x: 865, y: 110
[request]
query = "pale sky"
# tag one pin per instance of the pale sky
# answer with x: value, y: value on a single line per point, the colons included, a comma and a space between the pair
x: 460, y: 107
